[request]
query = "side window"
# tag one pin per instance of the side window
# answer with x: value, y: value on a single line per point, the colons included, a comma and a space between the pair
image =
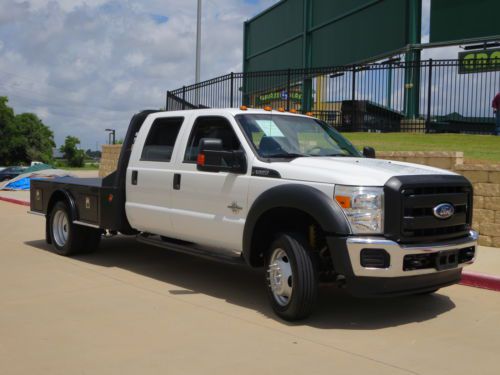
x: 160, y: 142
x: 210, y: 127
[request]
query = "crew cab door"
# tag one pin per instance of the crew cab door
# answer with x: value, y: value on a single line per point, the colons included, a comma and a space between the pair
x: 150, y: 176
x: 210, y: 207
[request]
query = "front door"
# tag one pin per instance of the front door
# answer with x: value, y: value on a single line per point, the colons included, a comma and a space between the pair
x: 210, y: 207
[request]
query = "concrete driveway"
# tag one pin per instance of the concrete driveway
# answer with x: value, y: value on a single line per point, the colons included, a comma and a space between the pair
x: 134, y: 309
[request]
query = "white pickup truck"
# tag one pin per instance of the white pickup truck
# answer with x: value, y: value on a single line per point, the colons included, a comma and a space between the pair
x: 276, y: 190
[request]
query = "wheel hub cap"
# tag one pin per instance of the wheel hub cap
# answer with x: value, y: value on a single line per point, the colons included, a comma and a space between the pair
x: 280, y: 277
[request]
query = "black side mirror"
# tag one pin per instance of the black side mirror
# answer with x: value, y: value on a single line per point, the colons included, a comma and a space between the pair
x: 212, y: 158
x: 369, y: 152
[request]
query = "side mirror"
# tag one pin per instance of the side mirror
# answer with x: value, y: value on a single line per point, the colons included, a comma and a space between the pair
x: 369, y: 152
x: 212, y: 158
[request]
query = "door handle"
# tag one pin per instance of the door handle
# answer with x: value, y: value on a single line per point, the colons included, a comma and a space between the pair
x: 177, y: 181
x: 134, y: 177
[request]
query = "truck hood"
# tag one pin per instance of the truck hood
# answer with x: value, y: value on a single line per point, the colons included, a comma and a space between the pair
x: 349, y: 171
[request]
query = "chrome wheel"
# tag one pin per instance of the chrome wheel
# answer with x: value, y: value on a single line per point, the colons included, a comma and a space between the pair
x: 280, y: 277
x: 60, y: 228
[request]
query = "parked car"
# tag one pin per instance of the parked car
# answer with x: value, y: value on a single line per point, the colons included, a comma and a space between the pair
x: 10, y: 172
x: 276, y: 190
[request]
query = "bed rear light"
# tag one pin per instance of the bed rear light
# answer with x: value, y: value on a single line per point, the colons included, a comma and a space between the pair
x: 110, y: 198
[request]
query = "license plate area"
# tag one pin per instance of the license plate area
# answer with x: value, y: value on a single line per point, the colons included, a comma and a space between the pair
x: 446, y: 260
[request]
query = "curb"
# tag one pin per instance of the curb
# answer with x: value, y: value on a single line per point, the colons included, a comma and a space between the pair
x: 472, y: 279
x: 15, y: 201
x: 479, y: 280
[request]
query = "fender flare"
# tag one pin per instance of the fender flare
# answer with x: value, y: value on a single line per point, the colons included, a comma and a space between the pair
x: 296, y: 196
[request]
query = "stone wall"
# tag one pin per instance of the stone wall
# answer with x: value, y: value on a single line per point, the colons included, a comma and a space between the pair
x: 486, y: 217
x: 109, y: 159
x: 438, y: 159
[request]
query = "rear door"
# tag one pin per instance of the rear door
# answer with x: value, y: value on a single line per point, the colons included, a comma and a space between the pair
x: 150, y: 175
x: 210, y: 207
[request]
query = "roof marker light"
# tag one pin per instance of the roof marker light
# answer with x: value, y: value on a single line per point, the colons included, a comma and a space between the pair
x: 243, y: 107
x: 281, y: 109
x: 293, y: 110
x: 268, y: 108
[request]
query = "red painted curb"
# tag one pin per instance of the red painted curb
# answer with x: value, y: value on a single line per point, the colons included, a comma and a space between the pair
x: 15, y: 201
x: 479, y: 280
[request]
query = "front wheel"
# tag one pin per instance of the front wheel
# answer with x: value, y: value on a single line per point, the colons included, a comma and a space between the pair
x: 292, y: 277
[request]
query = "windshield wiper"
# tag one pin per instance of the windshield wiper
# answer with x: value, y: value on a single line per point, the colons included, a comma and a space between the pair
x: 286, y: 155
x: 331, y: 155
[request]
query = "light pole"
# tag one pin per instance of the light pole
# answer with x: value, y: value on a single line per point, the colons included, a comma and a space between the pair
x: 198, y: 52
x: 111, y: 136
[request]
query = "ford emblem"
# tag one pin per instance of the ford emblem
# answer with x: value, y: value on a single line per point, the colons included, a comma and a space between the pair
x: 444, y: 211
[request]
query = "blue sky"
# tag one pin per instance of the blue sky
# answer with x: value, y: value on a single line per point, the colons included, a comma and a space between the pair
x: 87, y: 65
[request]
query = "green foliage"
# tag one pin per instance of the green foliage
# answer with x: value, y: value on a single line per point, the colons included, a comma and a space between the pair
x: 23, y: 137
x: 72, y: 154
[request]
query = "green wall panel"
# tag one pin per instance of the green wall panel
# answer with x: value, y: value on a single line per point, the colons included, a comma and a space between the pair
x: 371, y: 31
x: 340, y: 32
x: 464, y: 19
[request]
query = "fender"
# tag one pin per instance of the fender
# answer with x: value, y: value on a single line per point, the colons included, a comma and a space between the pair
x: 297, y: 196
x: 55, y: 196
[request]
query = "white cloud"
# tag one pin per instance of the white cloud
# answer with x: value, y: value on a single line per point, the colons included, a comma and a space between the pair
x: 84, y: 65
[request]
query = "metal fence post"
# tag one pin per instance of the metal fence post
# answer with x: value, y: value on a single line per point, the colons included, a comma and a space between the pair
x: 183, y: 97
x: 232, y: 89
x: 288, y: 90
x: 429, y: 96
x: 353, y: 96
x: 166, y: 101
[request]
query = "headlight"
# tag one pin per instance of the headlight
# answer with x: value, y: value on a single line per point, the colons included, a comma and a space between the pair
x: 363, y: 206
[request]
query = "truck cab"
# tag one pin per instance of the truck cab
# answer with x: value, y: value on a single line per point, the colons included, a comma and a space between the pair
x: 281, y: 191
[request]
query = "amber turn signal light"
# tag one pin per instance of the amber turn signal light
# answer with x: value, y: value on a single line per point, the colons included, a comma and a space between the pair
x: 344, y: 202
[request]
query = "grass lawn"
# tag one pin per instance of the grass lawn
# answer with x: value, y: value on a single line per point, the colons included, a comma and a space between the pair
x: 475, y: 147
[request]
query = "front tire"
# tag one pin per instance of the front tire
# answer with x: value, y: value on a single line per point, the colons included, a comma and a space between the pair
x: 292, y: 277
x: 68, y: 238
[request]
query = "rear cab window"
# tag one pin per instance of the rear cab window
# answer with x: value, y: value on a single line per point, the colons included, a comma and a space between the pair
x: 160, y: 142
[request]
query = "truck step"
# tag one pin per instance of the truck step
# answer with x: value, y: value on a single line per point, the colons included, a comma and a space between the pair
x: 190, y: 249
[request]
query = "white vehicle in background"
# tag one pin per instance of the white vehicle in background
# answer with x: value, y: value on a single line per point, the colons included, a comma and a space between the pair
x: 275, y: 190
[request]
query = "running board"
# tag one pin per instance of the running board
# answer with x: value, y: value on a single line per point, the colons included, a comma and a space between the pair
x: 189, y: 249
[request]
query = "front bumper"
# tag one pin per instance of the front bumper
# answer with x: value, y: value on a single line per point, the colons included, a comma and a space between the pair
x: 398, y: 252
x: 396, y: 278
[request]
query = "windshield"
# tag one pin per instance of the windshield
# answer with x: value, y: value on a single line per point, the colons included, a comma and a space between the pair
x: 281, y: 136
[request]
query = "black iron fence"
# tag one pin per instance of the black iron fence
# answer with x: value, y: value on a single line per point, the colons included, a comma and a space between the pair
x: 428, y: 96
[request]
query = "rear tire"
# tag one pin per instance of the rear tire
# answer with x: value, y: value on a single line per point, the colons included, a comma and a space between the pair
x: 292, y: 277
x: 68, y: 238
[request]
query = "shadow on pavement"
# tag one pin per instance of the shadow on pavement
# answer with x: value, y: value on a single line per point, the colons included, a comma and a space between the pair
x: 243, y: 286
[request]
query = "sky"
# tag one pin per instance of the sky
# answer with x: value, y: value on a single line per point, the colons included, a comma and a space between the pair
x: 87, y: 65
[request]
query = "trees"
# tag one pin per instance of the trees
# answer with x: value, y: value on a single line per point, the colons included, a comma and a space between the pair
x: 72, y: 154
x: 23, y: 137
